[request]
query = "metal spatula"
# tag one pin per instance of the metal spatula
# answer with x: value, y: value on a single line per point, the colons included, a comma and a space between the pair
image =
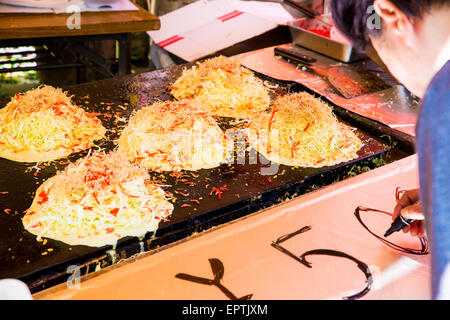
x: 349, y: 81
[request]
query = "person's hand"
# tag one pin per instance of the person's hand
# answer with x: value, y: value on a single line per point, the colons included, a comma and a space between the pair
x: 409, y: 208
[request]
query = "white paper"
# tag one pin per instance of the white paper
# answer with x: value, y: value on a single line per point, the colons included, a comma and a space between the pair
x: 190, y: 17
x: 207, y: 26
x: 272, y: 11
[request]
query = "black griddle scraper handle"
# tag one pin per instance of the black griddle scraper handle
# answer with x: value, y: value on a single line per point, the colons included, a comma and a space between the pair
x: 302, y: 59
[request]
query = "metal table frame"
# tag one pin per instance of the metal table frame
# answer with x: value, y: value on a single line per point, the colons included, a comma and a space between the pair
x: 86, y: 57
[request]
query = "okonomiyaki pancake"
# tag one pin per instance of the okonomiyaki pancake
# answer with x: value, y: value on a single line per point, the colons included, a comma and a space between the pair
x: 302, y: 130
x: 96, y: 201
x: 227, y: 88
x: 172, y: 136
x: 43, y: 125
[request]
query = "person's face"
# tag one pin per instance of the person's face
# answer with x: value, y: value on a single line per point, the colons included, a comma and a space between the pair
x: 397, y: 58
x: 398, y: 45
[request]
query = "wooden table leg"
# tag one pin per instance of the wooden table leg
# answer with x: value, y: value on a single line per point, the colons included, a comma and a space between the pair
x: 124, y: 54
x: 81, y: 74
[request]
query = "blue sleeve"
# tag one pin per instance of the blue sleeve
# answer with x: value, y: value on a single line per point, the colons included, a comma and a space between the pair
x: 433, y: 148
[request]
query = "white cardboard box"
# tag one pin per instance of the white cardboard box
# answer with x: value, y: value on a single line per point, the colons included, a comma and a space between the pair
x: 207, y: 26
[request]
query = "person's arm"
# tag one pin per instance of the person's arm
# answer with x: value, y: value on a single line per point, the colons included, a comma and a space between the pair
x: 408, y: 206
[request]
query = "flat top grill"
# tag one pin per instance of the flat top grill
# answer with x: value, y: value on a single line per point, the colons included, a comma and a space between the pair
x: 21, y: 256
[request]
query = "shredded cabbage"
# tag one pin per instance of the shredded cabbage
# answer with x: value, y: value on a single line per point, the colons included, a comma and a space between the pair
x: 43, y: 120
x: 301, y: 130
x: 226, y: 88
x: 95, y: 196
x: 173, y: 136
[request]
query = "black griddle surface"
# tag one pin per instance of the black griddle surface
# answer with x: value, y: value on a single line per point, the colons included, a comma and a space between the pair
x: 21, y: 256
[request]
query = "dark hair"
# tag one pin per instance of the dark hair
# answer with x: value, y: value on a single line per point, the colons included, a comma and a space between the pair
x: 351, y: 16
